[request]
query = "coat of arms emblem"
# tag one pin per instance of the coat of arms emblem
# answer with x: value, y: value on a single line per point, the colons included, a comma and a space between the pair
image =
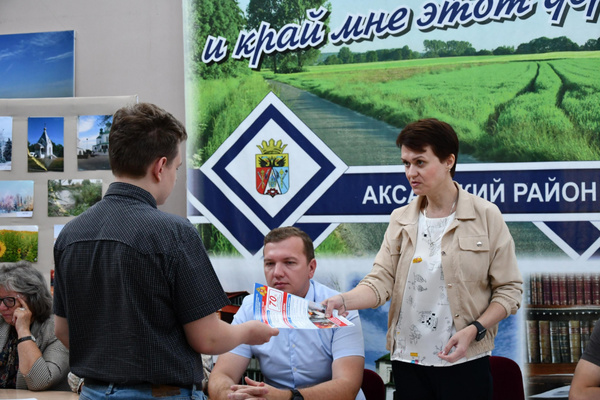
x: 272, y: 168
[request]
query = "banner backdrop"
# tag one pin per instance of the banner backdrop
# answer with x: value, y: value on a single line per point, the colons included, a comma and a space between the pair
x: 294, y: 107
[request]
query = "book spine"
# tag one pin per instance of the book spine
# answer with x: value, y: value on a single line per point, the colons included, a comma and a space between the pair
x: 555, y: 341
x: 555, y: 290
x: 575, y: 340
x: 533, y: 342
x: 545, y: 346
x: 587, y: 289
x: 562, y: 289
x: 540, y: 294
x: 565, y: 345
x: 571, y: 292
x: 585, y: 334
x: 546, y: 290
x: 531, y: 292
x: 596, y: 289
x: 579, y: 288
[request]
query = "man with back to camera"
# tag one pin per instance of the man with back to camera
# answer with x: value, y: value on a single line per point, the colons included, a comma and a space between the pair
x: 135, y: 294
x: 298, y: 363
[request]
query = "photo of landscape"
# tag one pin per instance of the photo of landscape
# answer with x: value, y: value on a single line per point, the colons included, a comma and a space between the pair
x: 5, y: 143
x: 18, y: 243
x: 71, y: 197
x: 16, y: 198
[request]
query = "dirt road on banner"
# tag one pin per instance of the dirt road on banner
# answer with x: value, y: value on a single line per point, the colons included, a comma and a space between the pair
x: 355, y: 138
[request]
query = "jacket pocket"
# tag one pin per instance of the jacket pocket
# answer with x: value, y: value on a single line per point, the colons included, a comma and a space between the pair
x: 474, y: 257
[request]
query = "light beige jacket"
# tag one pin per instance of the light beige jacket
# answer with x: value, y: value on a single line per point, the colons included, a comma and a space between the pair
x: 478, y: 262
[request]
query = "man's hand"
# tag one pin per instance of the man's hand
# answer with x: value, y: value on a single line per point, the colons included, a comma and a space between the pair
x: 259, y: 332
x: 460, y: 341
x: 257, y: 391
x: 211, y: 335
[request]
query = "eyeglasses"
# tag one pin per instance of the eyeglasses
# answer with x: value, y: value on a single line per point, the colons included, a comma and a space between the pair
x: 9, y: 301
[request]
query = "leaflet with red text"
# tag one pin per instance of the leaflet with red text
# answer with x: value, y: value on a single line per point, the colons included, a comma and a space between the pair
x: 283, y: 310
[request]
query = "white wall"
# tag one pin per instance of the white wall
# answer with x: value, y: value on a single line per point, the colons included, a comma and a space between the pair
x: 122, y: 48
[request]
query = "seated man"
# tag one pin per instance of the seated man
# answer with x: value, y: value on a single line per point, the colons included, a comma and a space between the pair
x: 586, y: 380
x: 297, y: 364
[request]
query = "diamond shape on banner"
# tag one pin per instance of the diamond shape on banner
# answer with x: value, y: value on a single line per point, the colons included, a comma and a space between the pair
x: 312, y: 168
x: 579, y: 239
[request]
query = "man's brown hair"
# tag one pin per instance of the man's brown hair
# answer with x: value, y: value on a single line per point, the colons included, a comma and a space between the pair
x: 279, y: 234
x: 139, y: 135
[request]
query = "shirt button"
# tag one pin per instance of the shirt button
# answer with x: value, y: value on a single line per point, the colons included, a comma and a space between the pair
x: 449, y: 285
x: 479, y: 244
x: 456, y: 315
x: 443, y: 253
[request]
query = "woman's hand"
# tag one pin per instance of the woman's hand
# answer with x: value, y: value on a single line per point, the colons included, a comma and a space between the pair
x: 460, y: 341
x: 28, y: 350
x: 22, y: 318
x: 336, y: 302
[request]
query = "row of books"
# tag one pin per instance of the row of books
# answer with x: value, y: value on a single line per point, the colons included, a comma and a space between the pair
x: 557, y: 341
x: 563, y: 289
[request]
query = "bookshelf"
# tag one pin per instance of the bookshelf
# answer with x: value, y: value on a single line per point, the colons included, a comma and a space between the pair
x: 560, y: 315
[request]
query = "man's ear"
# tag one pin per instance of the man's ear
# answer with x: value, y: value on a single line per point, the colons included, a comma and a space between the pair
x: 312, y: 267
x: 157, y: 168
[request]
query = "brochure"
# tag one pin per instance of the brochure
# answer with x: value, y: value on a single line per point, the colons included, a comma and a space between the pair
x: 283, y: 310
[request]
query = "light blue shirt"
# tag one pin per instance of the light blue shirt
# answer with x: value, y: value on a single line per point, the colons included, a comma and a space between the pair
x: 298, y: 358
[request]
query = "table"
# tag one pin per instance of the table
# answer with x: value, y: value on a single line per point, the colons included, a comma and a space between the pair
x: 43, y: 395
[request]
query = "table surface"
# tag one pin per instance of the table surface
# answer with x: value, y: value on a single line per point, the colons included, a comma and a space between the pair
x: 44, y: 395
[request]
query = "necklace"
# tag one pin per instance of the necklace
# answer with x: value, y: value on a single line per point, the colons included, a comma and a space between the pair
x: 440, y: 225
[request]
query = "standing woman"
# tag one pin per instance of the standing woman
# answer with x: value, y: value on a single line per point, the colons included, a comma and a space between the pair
x: 448, y: 264
x: 31, y: 357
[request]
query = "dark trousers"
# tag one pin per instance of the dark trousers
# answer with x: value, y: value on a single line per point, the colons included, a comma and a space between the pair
x: 471, y: 380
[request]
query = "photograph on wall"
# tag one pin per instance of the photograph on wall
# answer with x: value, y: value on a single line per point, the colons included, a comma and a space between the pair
x: 92, y: 142
x: 45, y: 143
x: 71, y: 197
x: 16, y: 198
x: 328, y: 87
x: 18, y: 243
x: 5, y: 143
x: 40, y: 64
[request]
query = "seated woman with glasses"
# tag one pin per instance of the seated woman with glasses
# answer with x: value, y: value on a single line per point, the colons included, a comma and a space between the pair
x: 31, y: 357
